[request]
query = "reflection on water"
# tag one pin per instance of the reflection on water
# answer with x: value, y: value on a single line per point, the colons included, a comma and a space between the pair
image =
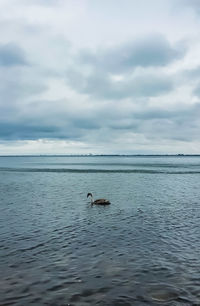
x: 56, y: 249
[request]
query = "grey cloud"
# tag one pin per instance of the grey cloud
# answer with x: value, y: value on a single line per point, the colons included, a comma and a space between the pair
x: 170, y: 130
x: 92, y: 72
x: 128, y: 75
x: 102, y: 86
x: 196, y: 91
x: 180, y: 124
x: 177, y: 124
x: 61, y: 123
x: 12, y: 90
x: 192, y: 77
x: 85, y: 123
x: 159, y: 124
x: 45, y: 119
x: 11, y: 55
x: 153, y: 51
x: 19, y: 84
x: 194, y: 4
x: 35, y: 129
x: 192, y: 73
x: 18, y: 130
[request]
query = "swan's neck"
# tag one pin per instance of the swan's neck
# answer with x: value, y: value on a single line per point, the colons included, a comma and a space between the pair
x: 92, y: 199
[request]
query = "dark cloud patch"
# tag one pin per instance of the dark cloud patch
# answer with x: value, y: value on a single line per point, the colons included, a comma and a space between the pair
x: 104, y: 87
x: 18, y: 131
x: 86, y: 123
x: 112, y: 73
x: 171, y: 130
x: 194, y: 4
x: 45, y: 119
x: 109, y: 121
x: 159, y: 124
x: 192, y: 73
x: 18, y: 85
x: 196, y: 91
x: 36, y: 129
x: 11, y: 55
x: 14, y: 89
x: 174, y: 124
x: 154, y: 51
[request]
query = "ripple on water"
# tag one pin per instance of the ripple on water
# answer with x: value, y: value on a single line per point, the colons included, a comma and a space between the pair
x: 164, y: 293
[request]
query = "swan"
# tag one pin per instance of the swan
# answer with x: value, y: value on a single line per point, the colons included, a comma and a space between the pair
x: 99, y: 201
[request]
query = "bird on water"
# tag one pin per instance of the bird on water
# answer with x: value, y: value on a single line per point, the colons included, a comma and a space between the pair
x: 99, y: 201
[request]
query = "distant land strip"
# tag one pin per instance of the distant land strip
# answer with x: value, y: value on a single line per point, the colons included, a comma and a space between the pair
x: 103, y: 155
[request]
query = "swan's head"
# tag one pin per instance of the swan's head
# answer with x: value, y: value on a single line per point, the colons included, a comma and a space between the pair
x: 89, y: 195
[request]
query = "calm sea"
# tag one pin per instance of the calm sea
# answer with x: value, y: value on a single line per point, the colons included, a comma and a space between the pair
x: 57, y: 249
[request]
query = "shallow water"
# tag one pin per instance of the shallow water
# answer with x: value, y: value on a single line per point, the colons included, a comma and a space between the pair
x: 143, y: 249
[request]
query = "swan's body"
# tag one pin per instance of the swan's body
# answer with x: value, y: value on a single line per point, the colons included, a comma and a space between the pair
x: 99, y: 201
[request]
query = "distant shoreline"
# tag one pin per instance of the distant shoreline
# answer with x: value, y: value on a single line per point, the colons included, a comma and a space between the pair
x: 104, y: 155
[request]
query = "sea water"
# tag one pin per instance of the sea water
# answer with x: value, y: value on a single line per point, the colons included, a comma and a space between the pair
x: 57, y: 249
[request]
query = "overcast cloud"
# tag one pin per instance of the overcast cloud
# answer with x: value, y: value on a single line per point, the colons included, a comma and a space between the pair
x: 92, y: 76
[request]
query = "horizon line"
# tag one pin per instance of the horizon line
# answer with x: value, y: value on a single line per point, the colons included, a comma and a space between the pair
x: 90, y: 155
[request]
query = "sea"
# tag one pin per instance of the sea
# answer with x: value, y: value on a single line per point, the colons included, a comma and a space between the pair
x: 58, y: 249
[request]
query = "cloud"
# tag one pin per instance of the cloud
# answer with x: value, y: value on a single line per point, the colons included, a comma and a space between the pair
x: 18, y: 86
x: 129, y: 70
x: 196, y: 91
x: 47, y: 119
x: 41, y: 2
x: 102, y: 86
x: 26, y: 117
x: 157, y: 125
x: 75, y: 73
x: 103, y: 123
x: 151, y: 51
x: 194, y: 4
x: 16, y: 131
x: 11, y: 55
x: 193, y: 73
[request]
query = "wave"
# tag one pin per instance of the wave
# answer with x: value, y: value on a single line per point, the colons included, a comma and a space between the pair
x: 61, y: 170
x: 150, y: 165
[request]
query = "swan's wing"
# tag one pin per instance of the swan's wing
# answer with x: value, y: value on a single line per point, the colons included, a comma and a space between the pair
x: 101, y: 202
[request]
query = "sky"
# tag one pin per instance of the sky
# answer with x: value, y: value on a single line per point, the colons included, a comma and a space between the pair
x: 99, y: 76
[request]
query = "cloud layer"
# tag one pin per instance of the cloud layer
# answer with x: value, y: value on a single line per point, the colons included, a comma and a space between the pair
x: 128, y: 87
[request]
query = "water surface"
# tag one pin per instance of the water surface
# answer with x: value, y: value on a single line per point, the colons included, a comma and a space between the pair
x: 143, y: 249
